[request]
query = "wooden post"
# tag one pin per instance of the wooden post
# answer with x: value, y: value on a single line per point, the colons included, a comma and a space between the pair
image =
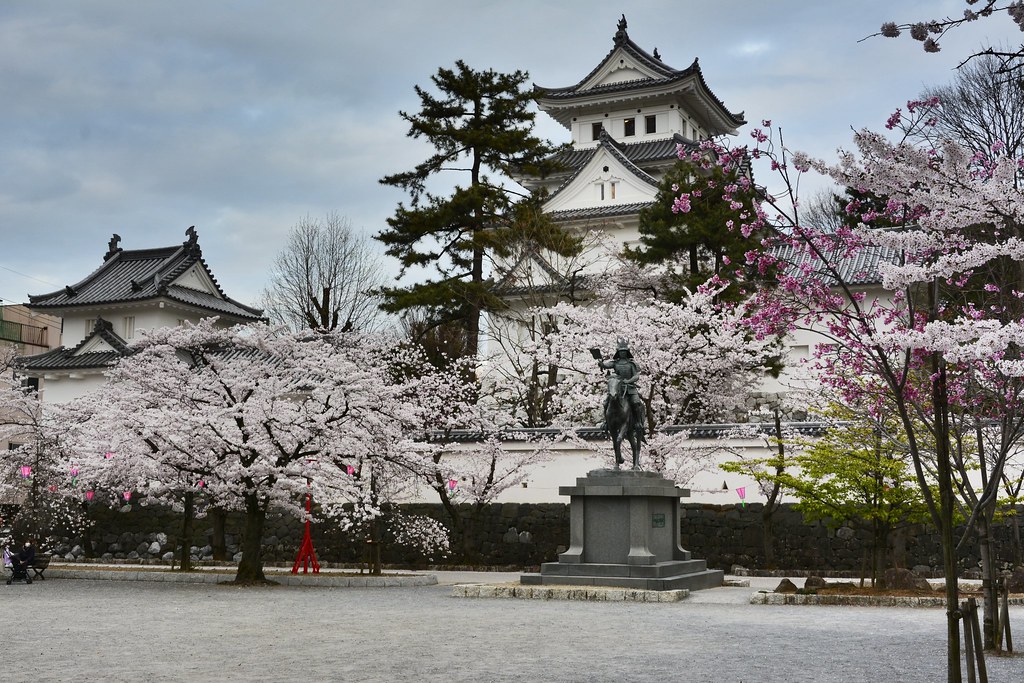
x: 979, y: 651
x: 1004, y: 618
x: 997, y: 622
x: 965, y: 611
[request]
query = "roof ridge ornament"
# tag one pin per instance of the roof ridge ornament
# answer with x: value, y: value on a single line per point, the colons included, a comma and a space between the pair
x: 621, y: 36
x: 112, y: 248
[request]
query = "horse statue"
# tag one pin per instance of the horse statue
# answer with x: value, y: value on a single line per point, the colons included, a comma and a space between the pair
x: 618, y: 421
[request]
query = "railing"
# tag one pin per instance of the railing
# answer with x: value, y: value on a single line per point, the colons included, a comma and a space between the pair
x: 23, y: 334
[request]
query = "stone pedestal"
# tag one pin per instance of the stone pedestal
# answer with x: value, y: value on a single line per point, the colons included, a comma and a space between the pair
x: 624, y: 532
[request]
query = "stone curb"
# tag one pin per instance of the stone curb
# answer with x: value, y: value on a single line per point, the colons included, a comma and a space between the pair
x: 565, y: 593
x: 764, y: 598
x: 318, y: 580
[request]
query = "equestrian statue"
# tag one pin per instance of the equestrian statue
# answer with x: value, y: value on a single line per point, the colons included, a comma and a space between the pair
x: 623, y: 408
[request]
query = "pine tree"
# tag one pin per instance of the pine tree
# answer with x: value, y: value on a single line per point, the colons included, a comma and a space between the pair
x: 707, y: 239
x: 480, y: 124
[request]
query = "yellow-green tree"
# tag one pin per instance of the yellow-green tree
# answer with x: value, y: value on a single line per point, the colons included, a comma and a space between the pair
x: 857, y: 473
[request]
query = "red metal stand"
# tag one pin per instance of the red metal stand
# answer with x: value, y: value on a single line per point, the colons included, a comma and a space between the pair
x: 307, y: 556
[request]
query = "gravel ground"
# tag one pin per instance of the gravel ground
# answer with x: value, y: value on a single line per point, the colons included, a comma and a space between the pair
x: 64, y: 630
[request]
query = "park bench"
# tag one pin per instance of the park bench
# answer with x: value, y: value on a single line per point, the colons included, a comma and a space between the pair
x: 39, y: 566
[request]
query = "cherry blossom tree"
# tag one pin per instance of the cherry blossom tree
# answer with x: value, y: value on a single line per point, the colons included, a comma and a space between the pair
x: 471, y: 447
x: 782, y: 443
x: 930, y: 32
x: 698, y: 362
x: 949, y: 214
x: 32, y: 468
x: 254, y: 416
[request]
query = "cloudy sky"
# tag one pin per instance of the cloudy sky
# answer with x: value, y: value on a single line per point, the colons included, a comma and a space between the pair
x: 242, y: 116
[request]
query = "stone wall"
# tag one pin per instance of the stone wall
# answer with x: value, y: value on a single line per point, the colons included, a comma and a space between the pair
x: 728, y: 535
x: 526, y: 534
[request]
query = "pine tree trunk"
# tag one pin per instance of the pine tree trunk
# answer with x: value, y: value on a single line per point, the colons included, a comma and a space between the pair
x: 250, y: 568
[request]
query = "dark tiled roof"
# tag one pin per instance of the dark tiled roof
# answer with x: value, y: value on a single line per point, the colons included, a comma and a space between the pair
x: 605, y: 142
x: 609, y: 211
x: 63, y: 358
x: 615, y: 150
x: 144, y: 274
x: 668, y: 76
x: 557, y: 283
x: 861, y: 269
x: 699, y: 431
x: 637, y: 152
x: 206, y: 300
x: 633, y: 50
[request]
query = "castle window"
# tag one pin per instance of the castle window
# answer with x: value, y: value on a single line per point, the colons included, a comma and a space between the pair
x: 129, y: 327
x: 595, y: 130
x: 613, y: 190
x: 90, y: 325
x: 651, y: 124
x: 629, y: 126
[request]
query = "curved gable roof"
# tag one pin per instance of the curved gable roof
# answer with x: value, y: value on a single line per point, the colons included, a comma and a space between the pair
x: 579, y: 160
x: 79, y: 357
x: 140, y: 275
x: 660, y: 76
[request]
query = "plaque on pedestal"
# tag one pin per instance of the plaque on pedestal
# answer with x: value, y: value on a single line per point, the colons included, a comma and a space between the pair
x: 624, y: 531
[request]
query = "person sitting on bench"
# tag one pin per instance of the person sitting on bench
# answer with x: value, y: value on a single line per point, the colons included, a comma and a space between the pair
x: 23, y: 560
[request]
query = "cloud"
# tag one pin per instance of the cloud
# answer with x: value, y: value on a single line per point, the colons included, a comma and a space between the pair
x: 752, y: 48
x: 145, y: 118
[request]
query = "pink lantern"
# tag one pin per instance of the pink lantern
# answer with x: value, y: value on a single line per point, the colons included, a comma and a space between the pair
x: 201, y: 483
x: 108, y: 455
x: 452, y: 483
x: 351, y: 470
x: 52, y: 488
x: 742, y: 493
x: 89, y: 495
x: 26, y: 471
x: 127, y: 496
x: 74, y: 471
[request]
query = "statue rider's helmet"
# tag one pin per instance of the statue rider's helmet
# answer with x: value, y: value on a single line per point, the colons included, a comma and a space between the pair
x: 622, y: 349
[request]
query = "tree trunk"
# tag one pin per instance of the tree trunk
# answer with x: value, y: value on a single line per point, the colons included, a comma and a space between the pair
x: 219, y: 544
x: 250, y: 568
x: 373, y: 548
x: 187, y: 524
x: 990, y: 596
x: 87, y: 543
x: 940, y: 404
x: 882, y: 534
